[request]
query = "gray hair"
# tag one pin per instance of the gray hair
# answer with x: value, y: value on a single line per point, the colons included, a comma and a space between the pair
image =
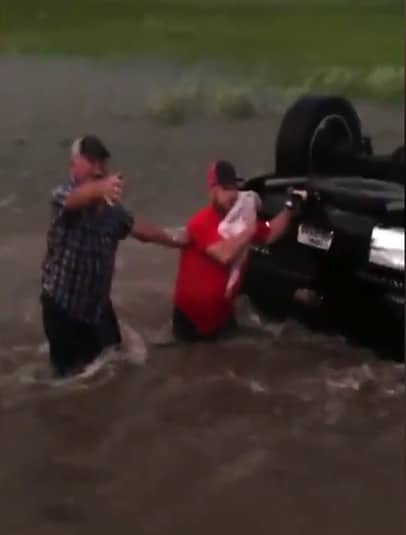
x: 76, y: 147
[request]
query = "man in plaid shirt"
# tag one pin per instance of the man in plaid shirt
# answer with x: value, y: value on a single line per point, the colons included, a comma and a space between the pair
x: 87, y: 224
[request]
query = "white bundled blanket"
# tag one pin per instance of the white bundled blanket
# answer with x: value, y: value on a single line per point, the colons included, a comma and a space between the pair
x: 243, y: 213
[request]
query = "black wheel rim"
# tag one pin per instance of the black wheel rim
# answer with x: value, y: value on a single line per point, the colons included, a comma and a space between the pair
x: 331, y: 134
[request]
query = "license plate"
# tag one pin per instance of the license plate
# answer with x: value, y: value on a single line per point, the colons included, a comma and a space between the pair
x: 313, y: 237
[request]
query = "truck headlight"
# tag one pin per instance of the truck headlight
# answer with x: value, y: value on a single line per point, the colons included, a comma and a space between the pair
x: 387, y: 248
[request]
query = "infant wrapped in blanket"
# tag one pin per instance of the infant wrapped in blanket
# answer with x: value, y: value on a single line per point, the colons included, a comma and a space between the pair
x: 243, y: 213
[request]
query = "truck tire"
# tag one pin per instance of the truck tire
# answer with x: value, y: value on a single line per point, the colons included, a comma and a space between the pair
x: 310, y: 131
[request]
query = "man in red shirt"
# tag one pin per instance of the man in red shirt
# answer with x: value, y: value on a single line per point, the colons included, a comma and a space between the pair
x: 201, y: 309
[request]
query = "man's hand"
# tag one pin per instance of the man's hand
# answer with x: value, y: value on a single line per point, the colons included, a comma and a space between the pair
x: 181, y: 237
x: 110, y: 188
x: 296, y: 200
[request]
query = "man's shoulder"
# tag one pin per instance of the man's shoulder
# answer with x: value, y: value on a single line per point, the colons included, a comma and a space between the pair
x: 60, y: 191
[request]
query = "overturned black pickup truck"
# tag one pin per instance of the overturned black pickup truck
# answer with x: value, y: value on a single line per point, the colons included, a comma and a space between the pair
x: 342, y: 265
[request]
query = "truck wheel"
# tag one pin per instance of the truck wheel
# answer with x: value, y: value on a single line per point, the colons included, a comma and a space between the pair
x: 311, y: 130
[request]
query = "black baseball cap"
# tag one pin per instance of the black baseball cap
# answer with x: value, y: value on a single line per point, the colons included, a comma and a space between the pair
x: 91, y: 147
x: 222, y: 173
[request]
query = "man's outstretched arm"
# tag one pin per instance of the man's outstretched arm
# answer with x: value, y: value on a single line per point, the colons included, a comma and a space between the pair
x: 150, y: 233
x: 281, y: 223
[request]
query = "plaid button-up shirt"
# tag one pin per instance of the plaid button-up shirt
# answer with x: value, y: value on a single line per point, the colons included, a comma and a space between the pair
x: 78, y: 268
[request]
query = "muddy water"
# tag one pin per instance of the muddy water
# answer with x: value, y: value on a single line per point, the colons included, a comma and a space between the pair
x: 280, y: 430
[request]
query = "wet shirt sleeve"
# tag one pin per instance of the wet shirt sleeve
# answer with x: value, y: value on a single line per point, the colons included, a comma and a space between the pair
x: 59, y: 197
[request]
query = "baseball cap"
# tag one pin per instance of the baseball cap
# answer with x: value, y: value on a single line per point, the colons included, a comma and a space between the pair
x: 222, y: 173
x: 91, y: 147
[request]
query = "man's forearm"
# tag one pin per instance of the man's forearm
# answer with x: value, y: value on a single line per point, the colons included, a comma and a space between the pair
x: 149, y: 233
x: 279, y: 225
x: 82, y: 196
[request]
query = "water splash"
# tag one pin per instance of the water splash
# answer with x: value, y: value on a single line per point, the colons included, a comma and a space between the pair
x: 26, y: 374
x: 134, y: 348
x: 248, y: 317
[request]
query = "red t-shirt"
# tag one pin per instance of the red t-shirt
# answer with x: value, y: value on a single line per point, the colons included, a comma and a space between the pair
x: 201, y: 281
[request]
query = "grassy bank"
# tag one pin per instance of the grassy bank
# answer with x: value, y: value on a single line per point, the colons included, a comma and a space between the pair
x: 353, y: 46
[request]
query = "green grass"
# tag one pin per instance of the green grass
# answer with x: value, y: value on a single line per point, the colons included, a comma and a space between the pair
x: 354, y: 45
x: 173, y: 107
